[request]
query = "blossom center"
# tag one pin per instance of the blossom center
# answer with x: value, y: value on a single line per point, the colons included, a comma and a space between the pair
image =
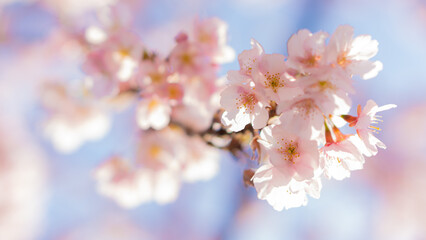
x: 306, y: 108
x: 248, y: 66
x: 311, y: 60
x: 186, y: 58
x: 156, y: 77
x: 154, y: 151
x: 204, y: 37
x: 324, y: 85
x: 174, y: 91
x: 273, y: 81
x: 289, y: 150
x: 121, y: 54
x: 343, y: 60
x: 153, y: 104
x: 246, y: 101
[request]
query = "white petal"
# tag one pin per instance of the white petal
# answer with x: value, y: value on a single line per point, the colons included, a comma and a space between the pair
x: 363, y: 48
x: 386, y: 107
x: 366, y: 69
x: 260, y: 118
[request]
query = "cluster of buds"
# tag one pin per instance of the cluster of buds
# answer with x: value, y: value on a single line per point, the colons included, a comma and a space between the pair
x: 177, y: 101
x: 294, y: 106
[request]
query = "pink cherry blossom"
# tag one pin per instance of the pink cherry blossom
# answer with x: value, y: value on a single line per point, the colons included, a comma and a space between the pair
x: 24, y: 177
x: 353, y: 54
x: 306, y: 118
x: 117, y: 180
x: 243, y: 105
x: 201, y: 162
x: 342, y: 157
x: 199, y: 100
x: 211, y: 34
x: 130, y: 186
x: 291, y: 103
x: 153, y: 176
x: 152, y: 75
x: 188, y: 58
x: 161, y: 149
x: 273, y: 77
x: 113, y: 61
x: 199, y: 104
x: 294, y: 156
x: 308, y: 111
x: 153, y: 112
x: 270, y: 185
x: 364, y: 127
x: 249, y: 59
x: 306, y: 50
x: 71, y: 122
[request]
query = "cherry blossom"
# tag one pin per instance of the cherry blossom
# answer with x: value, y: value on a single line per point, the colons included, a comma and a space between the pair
x: 201, y: 162
x: 23, y: 176
x: 153, y: 112
x: 116, y: 179
x: 353, y: 54
x: 295, y: 102
x: 113, y: 61
x: 270, y: 185
x: 285, y: 109
x: 306, y: 50
x: 243, y: 105
x: 342, y: 157
x: 164, y: 160
x: 363, y: 125
x: 292, y: 155
x: 275, y: 78
x: 249, y: 59
x: 211, y: 33
x: 71, y: 122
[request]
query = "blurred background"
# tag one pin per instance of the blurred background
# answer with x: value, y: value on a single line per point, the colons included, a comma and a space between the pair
x: 48, y: 194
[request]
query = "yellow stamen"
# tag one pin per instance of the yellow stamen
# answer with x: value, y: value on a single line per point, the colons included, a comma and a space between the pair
x: 289, y: 150
x: 154, y: 151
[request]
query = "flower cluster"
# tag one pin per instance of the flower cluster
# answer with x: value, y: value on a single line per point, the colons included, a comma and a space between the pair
x: 177, y: 100
x: 71, y: 120
x: 164, y: 160
x: 182, y: 87
x: 295, y: 106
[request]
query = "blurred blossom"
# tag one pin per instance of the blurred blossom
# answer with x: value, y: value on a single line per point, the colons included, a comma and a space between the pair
x: 164, y: 159
x: 109, y: 226
x: 112, y: 62
x: 23, y: 183
x: 71, y: 121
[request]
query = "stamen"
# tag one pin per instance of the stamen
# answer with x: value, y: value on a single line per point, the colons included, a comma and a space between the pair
x: 343, y: 60
x: 289, y: 150
x: 273, y: 81
x: 377, y: 128
x: 311, y: 60
x: 247, y: 101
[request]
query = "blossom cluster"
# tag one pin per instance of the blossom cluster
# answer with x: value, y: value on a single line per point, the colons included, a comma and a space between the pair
x: 164, y: 160
x: 182, y: 87
x: 295, y: 105
x: 71, y: 120
x: 177, y: 99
